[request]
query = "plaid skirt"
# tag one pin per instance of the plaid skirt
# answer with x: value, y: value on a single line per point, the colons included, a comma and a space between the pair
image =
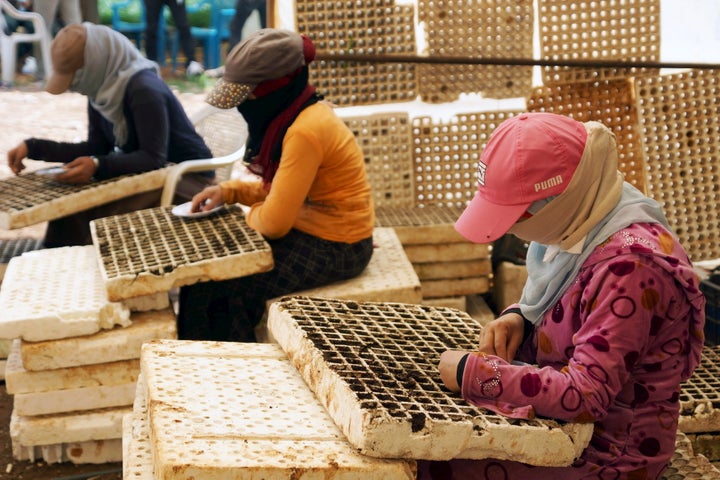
x: 229, y: 310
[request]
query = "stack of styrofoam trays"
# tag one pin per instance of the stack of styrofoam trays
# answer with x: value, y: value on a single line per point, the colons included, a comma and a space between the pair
x: 75, y: 355
x: 219, y: 410
x: 8, y: 250
x: 700, y: 405
x: 371, y: 365
x: 447, y: 264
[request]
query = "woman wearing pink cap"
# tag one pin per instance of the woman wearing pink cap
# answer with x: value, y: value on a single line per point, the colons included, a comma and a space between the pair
x: 610, y: 321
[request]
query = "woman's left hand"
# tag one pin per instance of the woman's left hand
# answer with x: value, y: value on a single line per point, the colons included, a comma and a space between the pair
x: 448, y: 368
x: 80, y: 170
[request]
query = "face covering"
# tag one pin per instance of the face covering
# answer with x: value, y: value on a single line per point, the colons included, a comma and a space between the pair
x: 592, y: 193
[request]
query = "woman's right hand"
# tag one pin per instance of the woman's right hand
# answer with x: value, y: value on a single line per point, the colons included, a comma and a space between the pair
x: 502, y: 337
x: 208, y: 199
x: 16, y: 156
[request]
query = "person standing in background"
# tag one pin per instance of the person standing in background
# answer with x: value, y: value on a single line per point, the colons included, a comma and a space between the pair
x: 153, y: 10
x: 68, y: 10
x: 69, y: 13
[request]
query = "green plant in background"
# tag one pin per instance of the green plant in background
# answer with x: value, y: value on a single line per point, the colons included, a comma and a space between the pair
x: 131, y: 13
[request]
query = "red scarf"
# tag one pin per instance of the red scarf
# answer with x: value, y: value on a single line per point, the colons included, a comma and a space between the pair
x: 267, y: 160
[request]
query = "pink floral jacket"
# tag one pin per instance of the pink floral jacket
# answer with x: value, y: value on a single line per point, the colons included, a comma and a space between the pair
x: 613, y: 351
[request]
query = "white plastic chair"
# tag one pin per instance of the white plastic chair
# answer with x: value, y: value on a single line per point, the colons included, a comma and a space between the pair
x: 225, y: 133
x: 8, y: 43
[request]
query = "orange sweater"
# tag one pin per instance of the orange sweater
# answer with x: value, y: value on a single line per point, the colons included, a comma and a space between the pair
x: 320, y: 187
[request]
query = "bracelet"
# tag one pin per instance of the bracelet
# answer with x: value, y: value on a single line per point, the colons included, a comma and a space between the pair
x: 488, y: 386
x: 95, y: 161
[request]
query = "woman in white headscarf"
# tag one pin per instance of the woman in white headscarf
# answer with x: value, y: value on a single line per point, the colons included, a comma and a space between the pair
x: 610, y: 321
x: 135, y: 124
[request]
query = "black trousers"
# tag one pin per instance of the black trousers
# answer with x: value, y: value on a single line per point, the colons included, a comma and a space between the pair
x: 229, y: 310
x: 153, y: 10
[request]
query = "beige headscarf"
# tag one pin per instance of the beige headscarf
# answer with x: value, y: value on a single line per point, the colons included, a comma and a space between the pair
x: 595, y: 205
x: 592, y: 193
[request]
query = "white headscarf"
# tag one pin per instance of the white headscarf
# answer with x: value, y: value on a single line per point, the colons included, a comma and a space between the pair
x: 110, y: 62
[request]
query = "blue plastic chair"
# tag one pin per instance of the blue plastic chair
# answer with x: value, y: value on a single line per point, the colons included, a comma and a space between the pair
x: 135, y: 28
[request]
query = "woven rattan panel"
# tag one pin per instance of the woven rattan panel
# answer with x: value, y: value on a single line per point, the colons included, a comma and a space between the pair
x: 627, y: 30
x: 30, y: 198
x: 374, y: 367
x: 611, y: 103
x: 679, y: 118
x: 446, y: 156
x: 700, y: 395
x: 386, y: 140
x: 349, y: 27
x: 478, y: 28
x: 151, y: 251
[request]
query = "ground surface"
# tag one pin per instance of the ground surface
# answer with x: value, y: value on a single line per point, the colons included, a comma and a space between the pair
x: 27, y: 111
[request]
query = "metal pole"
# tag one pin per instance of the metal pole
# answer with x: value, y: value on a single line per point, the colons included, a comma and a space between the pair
x: 379, y: 58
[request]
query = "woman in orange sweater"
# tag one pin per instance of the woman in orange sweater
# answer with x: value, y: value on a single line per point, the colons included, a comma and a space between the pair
x: 311, y: 200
